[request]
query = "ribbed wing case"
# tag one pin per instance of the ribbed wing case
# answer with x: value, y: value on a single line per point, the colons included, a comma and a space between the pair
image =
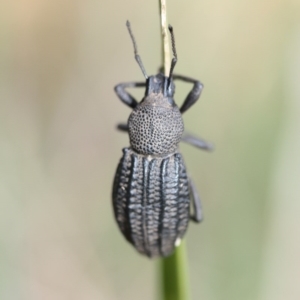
x: 151, y: 201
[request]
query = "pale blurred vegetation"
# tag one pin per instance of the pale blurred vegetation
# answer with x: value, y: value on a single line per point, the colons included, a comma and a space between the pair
x: 59, y: 61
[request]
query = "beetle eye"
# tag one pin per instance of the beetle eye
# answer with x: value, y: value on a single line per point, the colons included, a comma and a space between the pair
x: 171, y: 101
x: 171, y: 89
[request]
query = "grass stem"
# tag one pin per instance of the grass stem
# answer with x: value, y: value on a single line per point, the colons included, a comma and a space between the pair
x: 173, y: 269
x: 174, y: 275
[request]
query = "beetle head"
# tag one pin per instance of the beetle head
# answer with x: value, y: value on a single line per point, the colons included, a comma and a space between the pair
x: 159, y: 84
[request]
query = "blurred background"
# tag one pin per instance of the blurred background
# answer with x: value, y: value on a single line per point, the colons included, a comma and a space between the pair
x: 59, y: 62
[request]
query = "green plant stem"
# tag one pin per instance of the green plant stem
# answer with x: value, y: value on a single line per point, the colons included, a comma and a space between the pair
x: 166, y: 54
x: 174, y: 274
x: 173, y: 269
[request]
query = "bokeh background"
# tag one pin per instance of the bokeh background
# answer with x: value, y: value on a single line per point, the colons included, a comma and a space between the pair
x: 59, y: 61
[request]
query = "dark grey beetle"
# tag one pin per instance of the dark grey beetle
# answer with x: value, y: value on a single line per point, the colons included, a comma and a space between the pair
x: 151, y: 190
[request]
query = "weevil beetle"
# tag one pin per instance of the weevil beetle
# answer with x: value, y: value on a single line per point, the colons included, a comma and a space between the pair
x: 152, y: 191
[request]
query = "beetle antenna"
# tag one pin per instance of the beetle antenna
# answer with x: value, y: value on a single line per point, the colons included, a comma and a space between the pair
x: 174, y: 59
x: 136, y: 55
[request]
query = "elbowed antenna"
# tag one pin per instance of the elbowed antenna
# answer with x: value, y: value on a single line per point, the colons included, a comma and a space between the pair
x: 174, y: 59
x: 136, y: 55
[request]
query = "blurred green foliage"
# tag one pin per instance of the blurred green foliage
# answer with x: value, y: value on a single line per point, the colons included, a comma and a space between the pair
x: 59, y: 148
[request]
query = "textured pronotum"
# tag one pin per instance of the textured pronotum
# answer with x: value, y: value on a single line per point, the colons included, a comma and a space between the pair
x: 154, y: 127
x: 151, y: 201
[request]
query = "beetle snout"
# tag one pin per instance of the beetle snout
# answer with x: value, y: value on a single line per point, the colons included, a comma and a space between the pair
x: 156, y: 84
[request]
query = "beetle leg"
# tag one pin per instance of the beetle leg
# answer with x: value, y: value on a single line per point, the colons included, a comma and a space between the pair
x: 125, y: 97
x: 122, y: 127
x: 197, y: 142
x: 197, y: 207
x: 193, y: 95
